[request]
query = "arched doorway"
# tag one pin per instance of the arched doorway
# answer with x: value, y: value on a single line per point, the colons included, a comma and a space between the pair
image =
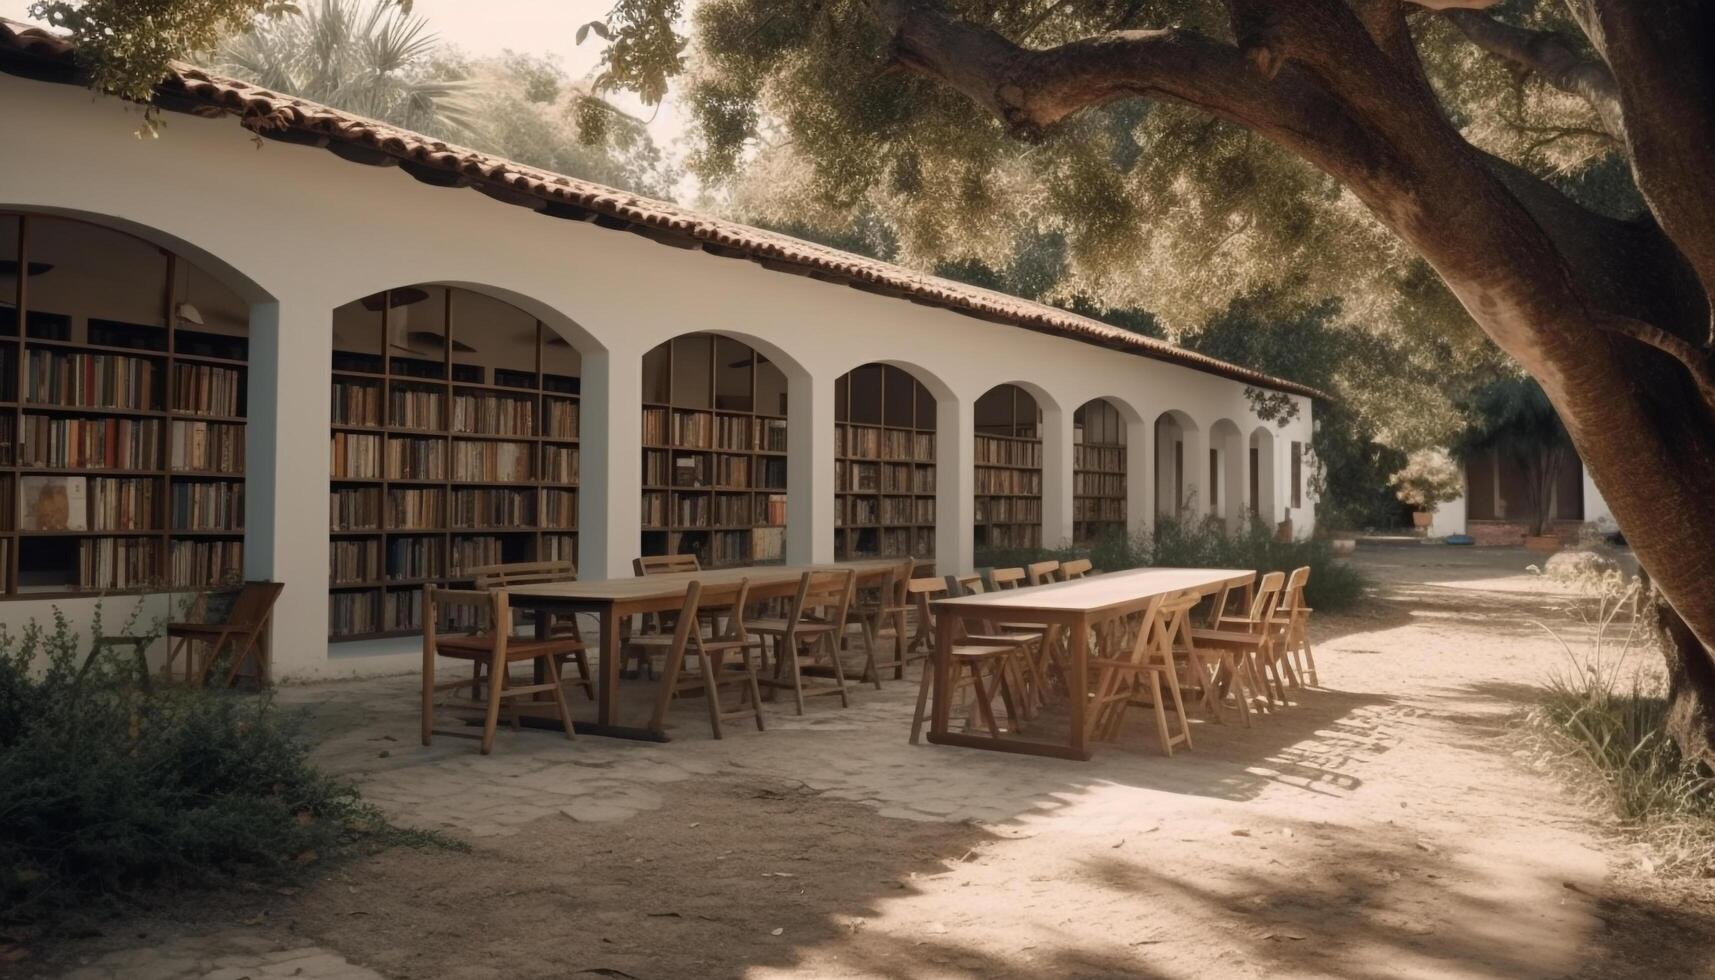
x: 714, y: 451
x: 1176, y: 496
x: 1260, y: 466
x: 1098, y: 471
x: 1008, y: 472
x: 884, y: 464
x: 454, y: 445
x: 1226, y: 475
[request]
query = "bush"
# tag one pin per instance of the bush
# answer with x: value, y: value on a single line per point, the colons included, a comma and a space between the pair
x: 111, y: 789
x: 1334, y: 585
x: 1607, y: 721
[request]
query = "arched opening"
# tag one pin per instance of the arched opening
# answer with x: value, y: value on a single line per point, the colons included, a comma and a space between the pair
x: 1098, y: 471
x: 1226, y: 475
x: 1260, y: 466
x: 1007, y: 449
x: 714, y: 451
x: 123, y: 399
x: 884, y: 464
x: 1175, y: 482
x: 454, y: 445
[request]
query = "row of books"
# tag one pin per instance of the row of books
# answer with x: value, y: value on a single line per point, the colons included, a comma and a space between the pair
x: 1009, y: 536
x: 560, y: 509
x: 1110, y: 459
x: 560, y: 464
x: 351, y: 561
x: 199, y: 564
x: 1008, y: 510
x: 92, y: 380
x: 1098, y: 484
x: 416, y: 507
x: 355, y: 456
x: 989, y: 480
x: 492, y: 414
x: 208, y: 506
x: 426, y: 508
x: 1007, y: 452
x: 416, y: 459
x: 211, y: 447
x: 866, y: 442
x: 356, y: 402
x: 562, y: 418
x: 492, y: 462
x: 414, y: 557
x: 859, y: 477
x: 1098, y: 509
x: 885, y: 542
x: 707, y: 430
x: 118, y: 563
x: 122, y: 504
x: 884, y: 510
x: 203, y: 389
x: 493, y: 508
x: 90, y: 443
x: 411, y: 407
x: 355, y: 613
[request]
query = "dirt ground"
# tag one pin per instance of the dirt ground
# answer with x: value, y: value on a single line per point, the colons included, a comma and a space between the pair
x: 1390, y: 825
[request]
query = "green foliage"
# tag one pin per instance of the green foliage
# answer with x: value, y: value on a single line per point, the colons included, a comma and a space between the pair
x: 1606, y: 721
x: 1334, y: 584
x: 112, y: 790
x: 1428, y: 480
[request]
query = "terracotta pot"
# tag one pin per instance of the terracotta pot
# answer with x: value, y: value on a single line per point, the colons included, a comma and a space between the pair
x: 1421, y: 518
x: 1548, y: 544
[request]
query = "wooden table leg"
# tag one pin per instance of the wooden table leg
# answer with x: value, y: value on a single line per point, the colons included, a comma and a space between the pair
x: 1079, y: 683
x: 607, y: 686
x: 939, y: 699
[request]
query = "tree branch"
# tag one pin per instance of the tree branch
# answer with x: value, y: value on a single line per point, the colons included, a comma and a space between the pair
x: 1697, y: 360
x: 1551, y: 57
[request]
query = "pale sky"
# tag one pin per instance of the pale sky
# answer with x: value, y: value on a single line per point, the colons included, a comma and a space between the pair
x: 543, y: 27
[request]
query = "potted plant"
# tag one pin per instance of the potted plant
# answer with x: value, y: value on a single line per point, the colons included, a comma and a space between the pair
x: 1513, y: 419
x: 1428, y: 480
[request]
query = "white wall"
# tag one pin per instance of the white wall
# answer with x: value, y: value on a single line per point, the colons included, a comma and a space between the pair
x: 301, y: 232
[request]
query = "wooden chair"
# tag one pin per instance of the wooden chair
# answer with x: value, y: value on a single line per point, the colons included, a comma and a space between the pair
x: 1251, y: 639
x: 1298, y: 652
x: 918, y: 592
x: 881, y: 614
x: 1075, y: 569
x: 1041, y: 572
x: 536, y: 573
x: 986, y: 669
x: 1007, y: 578
x: 655, y: 624
x: 484, y: 637
x: 1124, y: 680
x: 814, y: 620
x: 713, y: 674
x: 1033, y: 651
x: 241, y: 635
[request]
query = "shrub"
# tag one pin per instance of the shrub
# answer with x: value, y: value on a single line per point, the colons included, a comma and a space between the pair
x: 112, y: 789
x: 1606, y: 720
x: 1334, y: 584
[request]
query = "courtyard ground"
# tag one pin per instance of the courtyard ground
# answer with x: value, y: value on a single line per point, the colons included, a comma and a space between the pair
x: 1389, y: 825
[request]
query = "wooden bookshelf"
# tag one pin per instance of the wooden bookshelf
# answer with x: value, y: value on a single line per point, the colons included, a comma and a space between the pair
x: 1098, y: 471
x: 1008, y: 470
x: 454, y: 444
x: 122, y: 419
x: 884, y: 465
x: 714, y: 452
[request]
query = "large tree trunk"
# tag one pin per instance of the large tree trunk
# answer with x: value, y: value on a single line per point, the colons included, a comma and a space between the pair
x: 1690, y: 679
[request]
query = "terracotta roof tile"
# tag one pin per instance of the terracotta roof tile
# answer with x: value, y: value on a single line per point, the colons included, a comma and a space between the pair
x: 36, y: 53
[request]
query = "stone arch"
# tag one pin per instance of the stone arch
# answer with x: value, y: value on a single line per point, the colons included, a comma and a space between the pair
x: 1260, y: 473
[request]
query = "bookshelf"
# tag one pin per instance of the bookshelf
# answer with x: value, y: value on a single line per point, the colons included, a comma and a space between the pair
x: 123, y: 375
x: 1008, y: 470
x: 454, y: 443
x: 714, y: 452
x: 884, y: 465
x: 1098, y: 471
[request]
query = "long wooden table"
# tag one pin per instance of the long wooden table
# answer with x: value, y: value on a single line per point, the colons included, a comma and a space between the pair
x: 1072, y: 607
x: 613, y: 600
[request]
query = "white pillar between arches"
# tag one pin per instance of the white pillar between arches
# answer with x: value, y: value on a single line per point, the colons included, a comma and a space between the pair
x: 1140, y: 476
x: 286, y: 478
x: 1196, y: 472
x: 809, y: 469
x: 610, y: 481
x: 1057, y: 450
x: 955, y: 480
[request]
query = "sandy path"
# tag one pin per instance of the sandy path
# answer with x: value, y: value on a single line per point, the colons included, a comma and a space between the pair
x: 1384, y: 827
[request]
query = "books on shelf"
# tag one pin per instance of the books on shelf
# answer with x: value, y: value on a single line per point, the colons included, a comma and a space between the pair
x: 354, y: 508
x: 771, y: 435
x: 656, y: 468
x: 493, y: 508
x: 416, y: 508
x: 8, y: 436
x: 559, y: 509
x: 414, y: 556
x: 732, y: 432
x: 1007, y: 481
x: 732, y: 471
x: 732, y: 510
x: 92, y: 380
x: 356, y: 402
x: 688, y: 470
x: 694, y: 430
x: 209, y: 447
x: 473, y: 552
x: 768, y: 544
x: 771, y: 474
x: 411, y: 458
x: 208, y: 506
x: 490, y: 413
x: 355, y: 456
x: 352, y: 613
x: 119, y: 563
x: 1107, y: 459
x: 655, y: 428
x: 204, y: 389
x: 559, y: 547
x: 997, y: 451
x: 403, y: 609
x: 560, y: 464
x: 560, y: 418
x: 1098, y: 484
x: 355, y: 560
x: 654, y: 508
x: 92, y: 443
x: 772, y: 509
x: 412, y: 406
x: 488, y: 461
x: 203, y: 563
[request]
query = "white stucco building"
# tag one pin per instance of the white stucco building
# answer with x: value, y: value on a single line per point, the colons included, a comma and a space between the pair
x: 322, y: 239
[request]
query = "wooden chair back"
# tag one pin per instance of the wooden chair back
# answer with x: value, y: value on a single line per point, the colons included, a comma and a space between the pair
x: 522, y: 573
x: 1295, y: 583
x: 664, y: 564
x: 732, y: 600
x: 253, y: 605
x: 1039, y: 572
x: 464, y: 612
x: 1076, y: 568
x: 1266, y: 598
x: 828, y: 594
x: 921, y: 592
x: 1007, y: 578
